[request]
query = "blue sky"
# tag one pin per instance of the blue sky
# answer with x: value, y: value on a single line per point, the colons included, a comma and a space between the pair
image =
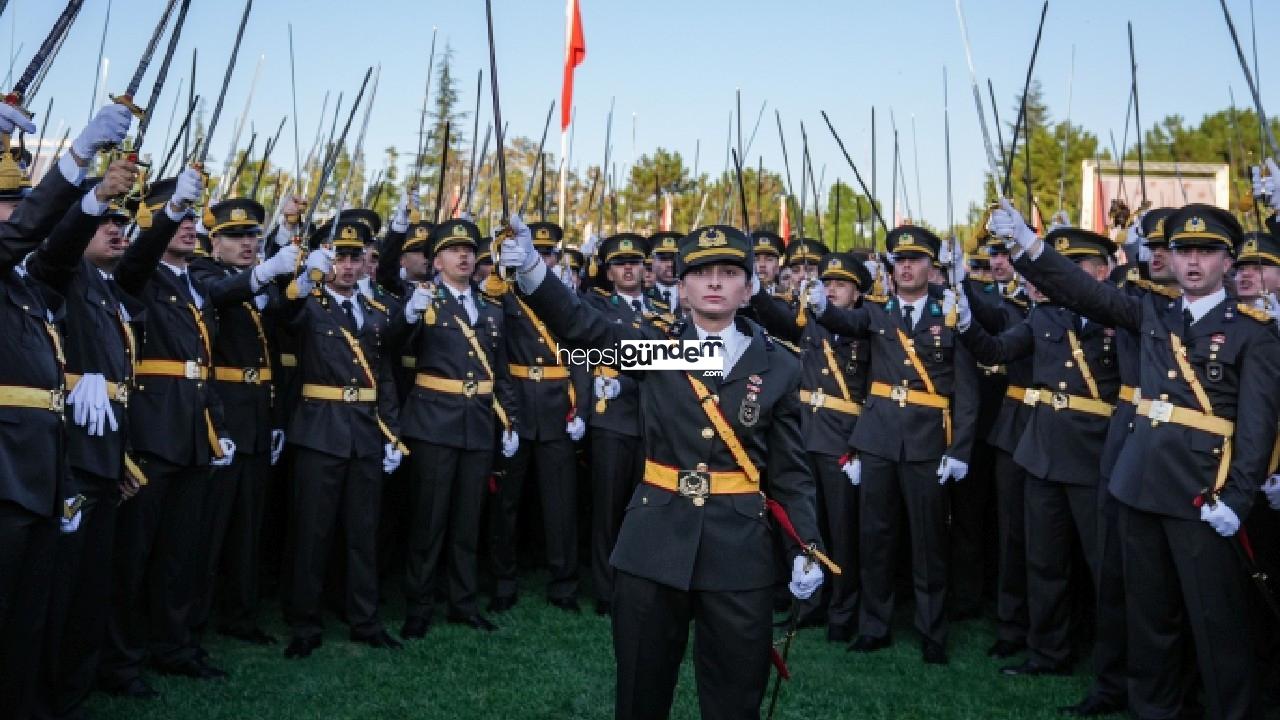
x: 675, y: 65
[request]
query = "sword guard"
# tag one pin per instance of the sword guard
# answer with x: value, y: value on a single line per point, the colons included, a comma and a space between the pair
x: 15, y: 100
x: 127, y: 101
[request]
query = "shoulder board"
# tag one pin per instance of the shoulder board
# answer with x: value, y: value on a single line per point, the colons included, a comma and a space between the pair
x: 1252, y: 312
x: 878, y: 299
x: 601, y: 291
x: 769, y: 339
x: 1020, y: 302
x: 376, y: 305
x: 1157, y: 289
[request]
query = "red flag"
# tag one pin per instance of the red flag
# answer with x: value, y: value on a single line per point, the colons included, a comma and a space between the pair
x: 575, y: 51
x: 667, y: 212
x: 784, y: 223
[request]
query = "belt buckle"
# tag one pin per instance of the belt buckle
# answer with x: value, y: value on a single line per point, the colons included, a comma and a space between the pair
x: 57, y: 400
x: 535, y: 373
x: 1161, y: 411
x: 694, y: 484
x: 1031, y: 397
x: 899, y: 395
x: 1137, y: 395
x: 191, y: 370
x: 817, y: 399
x: 1061, y: 401
x: 470, y: 387
x: 350, y: 394
x: 251, y: 375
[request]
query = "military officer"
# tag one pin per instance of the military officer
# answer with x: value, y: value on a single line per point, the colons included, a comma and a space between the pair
x: 345, y: 431
x: 833, y: 388
x: 695, y: 543
x: 663, y: 248
x: 1075, y: 383
x: 463, y: 395
x: 245, y: 299
x: 32, y: 390
x: 803, y: 255
x: 177, y: 432
x: 1188, y: 472
x: 769, y: 249
x: 915, y: 435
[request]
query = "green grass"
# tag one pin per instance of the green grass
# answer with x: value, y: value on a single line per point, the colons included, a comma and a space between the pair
x: 544, y: 663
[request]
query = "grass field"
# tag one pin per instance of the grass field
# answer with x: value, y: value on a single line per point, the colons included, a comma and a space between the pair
x: 544, y: 663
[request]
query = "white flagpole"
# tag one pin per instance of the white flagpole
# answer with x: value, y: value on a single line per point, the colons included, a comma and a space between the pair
x: 564, y: 134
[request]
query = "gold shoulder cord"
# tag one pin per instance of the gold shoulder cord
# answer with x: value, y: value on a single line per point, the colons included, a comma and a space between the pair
x: 470, y: 335
x: 1083, y: 363
x: 726, y: 433
x: 909, y: 347
x: 835, y: 370
x: 1189, y: 374
x: 364, y: 365
x: 551, y: 345
x: 214, y: 445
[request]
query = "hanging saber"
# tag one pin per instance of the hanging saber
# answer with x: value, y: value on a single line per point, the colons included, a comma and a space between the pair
x: 127, y: 97
x: 1253, y: 88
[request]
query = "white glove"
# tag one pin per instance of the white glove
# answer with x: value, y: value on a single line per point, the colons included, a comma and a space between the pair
x: 1273, y: 177
x: 510, y: 443
x: 391, y: 458
x: 277, y: 445
x: 67, y: 526
x: 944, y: 255
x: 589, y: 247
x: 92, y: 406
x: 755, y: 284
x: 1271, y: 305
x: 1221, y: 518
x: 188, y: 188
x: 418, y: 303
x: 1060, y: 219
x: 11, y: 118
x: 320, y: 259
x: 1133, y: 236
x: 853, y: 471
x: 1007, y: 222
x: 228, y: 453
x: 806, y: 577
x: 606, y: 388
x: 282, y: 263
x: 964, y: 313
x: 576, y: 429
x: 400, y: 218
x: 1271, y: 488
x: 817, y: 298
x: 564, y: 274
x: 107, y: 128
x: 951, y: 469
x: 517, y: 250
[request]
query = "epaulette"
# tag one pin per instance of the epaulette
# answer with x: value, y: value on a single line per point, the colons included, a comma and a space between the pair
x: 601, y: 292
x: 489, y: 291
x: 877, y: 299
x: 376, y: 305
x: 1157, y: 288
x: 1250, y: 311
x: 788, y: 345
x: 1020, y: 302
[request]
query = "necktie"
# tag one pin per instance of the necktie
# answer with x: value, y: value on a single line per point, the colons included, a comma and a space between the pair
x: 906, y: 317
x: 465, y: 301
x: 666, y: 297
x: 1187, y: 320
x: 349, y: 317
x: 635, y: 305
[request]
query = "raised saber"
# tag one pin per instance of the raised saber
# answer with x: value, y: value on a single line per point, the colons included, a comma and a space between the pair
x: 857, y: 175
x: 1022, y: 109
x: 126, y: 99
x: 993, y: 166
x: 533, y: 174
x: 222, y: 95
x: 1137, y: 118
x: 157, y: 86
x: 1253, y: 88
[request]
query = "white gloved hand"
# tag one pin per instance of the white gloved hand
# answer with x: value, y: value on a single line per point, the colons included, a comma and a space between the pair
x: 11, y: 118
x: 66, y: 525
x: 964, y: 313
x: 576, y: 429
x: 418, y: 303
x: 606, y: 388
x: 228, y: 453
x: 320, y: 259
x: 1007, y: 222
x: 93, y: 410
x: 1133, y: 236
x: 1060, y: 219
x: 1273, y: 177
x: 806, y: 578
x: 1221, y: 518
x: 188, y: 188
x: 280, y: 264
x: 1271, y: 488
x: 755, y: 284
x: 564, y: 274
x: 951, y: 469
x: 517, y: 249
x: 510, y: 443
x: 107, y: 128
x: 391, y: 458
x: 1272, y: 306
x: 817, y: 298
x: 277, y: 445
x: 589, y: 247
x: 400, y: 218
x: 853, y: 471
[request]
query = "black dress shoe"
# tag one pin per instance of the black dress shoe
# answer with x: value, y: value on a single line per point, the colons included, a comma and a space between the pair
x: 302, y: 647
x: 502, y: 603
x: 1093, y: 706
x: 415, y: 627
x: 604, y: 607
x: 866, y: 643
x: 839, y: 634
x: 475, y: 622
x: 1004, y: 649
x: 569, y: 605
x: 253, y: 636
x: 933, y: 654
x: 194, y: 669
x: 379, y: 639
x: 135, y: 689
x: 1034, y: 669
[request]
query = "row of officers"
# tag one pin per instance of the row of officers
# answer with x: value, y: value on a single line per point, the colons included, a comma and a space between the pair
x: 150, y: 385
